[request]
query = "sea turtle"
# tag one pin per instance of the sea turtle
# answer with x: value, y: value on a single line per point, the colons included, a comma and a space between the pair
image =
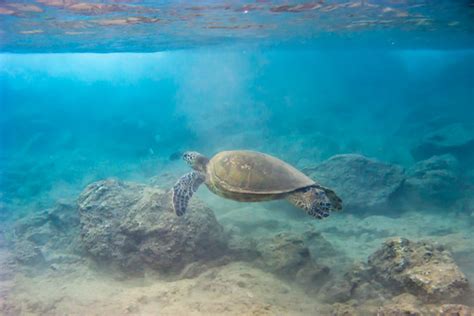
x: 250, y: 176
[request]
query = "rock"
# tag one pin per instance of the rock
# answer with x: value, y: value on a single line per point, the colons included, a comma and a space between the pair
x: 362, y: 183
x: 41, y: 237
x: 287, y: 256
x: 455, y: 138
x: 312, y: 275
x: 319, y: 245
x: 356, y: 284
x: 404, y: 304
x: 407, y: 304
x: 423, y: 269
x: 284, y: 254
x: 243, y: 248
x: 133, y: 226
x: 339, y: 309
x: 29, y: 254
x: 338, y: 291
x: 434, y: 181
x: 324, y: 252
x: 454, y: 309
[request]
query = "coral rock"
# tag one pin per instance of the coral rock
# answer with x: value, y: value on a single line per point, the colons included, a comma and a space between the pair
x: 404, y: 304
x: 454, y: 309
x: 421, y: 268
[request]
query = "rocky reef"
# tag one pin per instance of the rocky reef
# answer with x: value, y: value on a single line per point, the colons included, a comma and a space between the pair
x: 424, y: 269
x: 404, y: 278
x: 133, y: 225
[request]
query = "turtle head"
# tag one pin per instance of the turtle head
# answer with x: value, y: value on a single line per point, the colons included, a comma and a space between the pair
x: 195, y: 160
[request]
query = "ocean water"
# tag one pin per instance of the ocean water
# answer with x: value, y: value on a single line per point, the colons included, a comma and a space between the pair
x: 99, y: 101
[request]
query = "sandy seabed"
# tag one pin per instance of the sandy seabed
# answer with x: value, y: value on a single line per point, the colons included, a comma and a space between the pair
x: 232, y: 288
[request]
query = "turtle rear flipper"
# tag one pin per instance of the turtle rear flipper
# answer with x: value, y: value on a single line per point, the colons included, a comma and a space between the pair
x: 315, y: 200
x: 336, y: 201
x: 184, y: 189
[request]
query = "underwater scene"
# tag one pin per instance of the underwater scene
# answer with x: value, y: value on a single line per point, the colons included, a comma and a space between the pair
x: 236, y: 157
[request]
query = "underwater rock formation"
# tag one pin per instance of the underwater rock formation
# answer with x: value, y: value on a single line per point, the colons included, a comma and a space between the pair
x: 133, y: 226
x: 433, y: 181
x: 48, y: 237
x: 408, y: 275
x: 287, y: 256
x: 362, y: 183
x: 421, y: 268
x: 356, y: 284
x: 407, y: 304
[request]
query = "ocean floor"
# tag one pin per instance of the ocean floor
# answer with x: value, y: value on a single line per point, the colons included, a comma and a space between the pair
x: 240, y: 281
x: 402, y: 245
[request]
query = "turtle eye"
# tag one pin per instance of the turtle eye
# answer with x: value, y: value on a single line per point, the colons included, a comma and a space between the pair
x: 187, y: 157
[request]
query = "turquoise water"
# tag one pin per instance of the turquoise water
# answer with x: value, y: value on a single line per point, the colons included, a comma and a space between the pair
x: 121, y: 89
x: 124, y: 115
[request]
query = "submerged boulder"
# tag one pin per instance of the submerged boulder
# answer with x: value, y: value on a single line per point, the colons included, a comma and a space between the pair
x: 407, y: 304
x: 434, y: 180
x: 133, y: 226
x: 362, y: 183
x: 287, y: 256
x: 401, y: 269
x: 356, y: 284
x: 426, y: 270
x: 47, y: 237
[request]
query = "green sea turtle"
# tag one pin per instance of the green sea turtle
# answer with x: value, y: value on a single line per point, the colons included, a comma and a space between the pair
x: 250, y: 176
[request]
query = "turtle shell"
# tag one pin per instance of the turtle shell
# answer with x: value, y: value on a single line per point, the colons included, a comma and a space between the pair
x: 251, y: 172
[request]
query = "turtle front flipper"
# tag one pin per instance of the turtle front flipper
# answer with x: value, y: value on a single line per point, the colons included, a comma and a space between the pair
x: 184, y: 189
x: 316, y: 201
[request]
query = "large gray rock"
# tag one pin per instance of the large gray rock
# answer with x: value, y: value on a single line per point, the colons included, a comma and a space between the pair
x: 48, y: 237
x: 287, y: 256
x: 133, y: 226
x: 362, y: 183
x: 421, y: 268
x: 433, y: 181
x: 356, y: 284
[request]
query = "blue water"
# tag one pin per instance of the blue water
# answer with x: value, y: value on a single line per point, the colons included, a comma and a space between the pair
x: 71, y: 118
x: 86, y: 94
